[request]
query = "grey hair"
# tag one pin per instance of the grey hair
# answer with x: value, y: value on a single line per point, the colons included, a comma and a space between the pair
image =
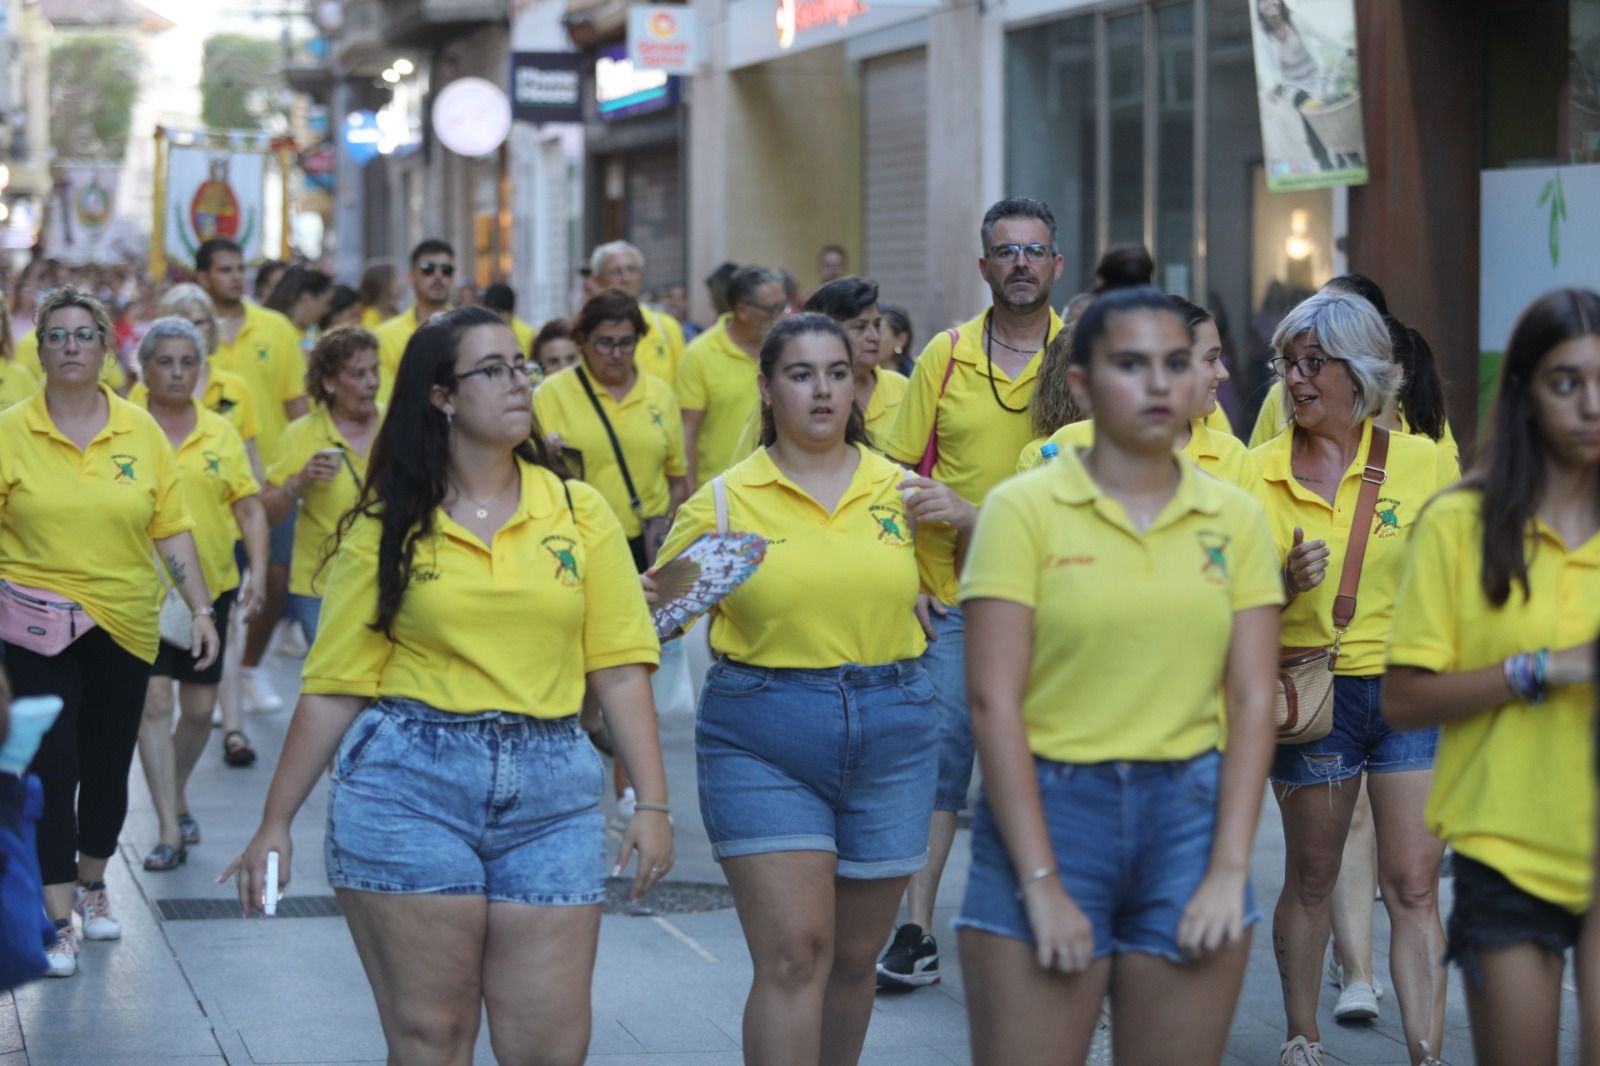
x: 1349, y: 329
x: 1016, y: 207
x: 597, y: 259
x: 181, y: 298
x: 170, y: 328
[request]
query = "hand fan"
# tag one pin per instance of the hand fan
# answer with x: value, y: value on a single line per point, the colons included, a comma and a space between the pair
x: 699, y: 578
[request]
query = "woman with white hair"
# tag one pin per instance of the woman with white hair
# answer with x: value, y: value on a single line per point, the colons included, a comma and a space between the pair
x: 218, y: 389
x: 1335, y: 357
x: 222, y: 496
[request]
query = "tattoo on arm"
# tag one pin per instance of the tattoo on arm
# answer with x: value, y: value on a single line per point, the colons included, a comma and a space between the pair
x: 179, y: 572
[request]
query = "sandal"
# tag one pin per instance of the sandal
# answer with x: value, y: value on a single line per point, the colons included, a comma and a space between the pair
x: 189, y: 828
x: 166, y: 857
x: 236, y: 749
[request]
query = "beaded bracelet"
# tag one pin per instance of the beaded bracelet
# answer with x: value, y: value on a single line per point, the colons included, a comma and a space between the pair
x: 1525, y: 674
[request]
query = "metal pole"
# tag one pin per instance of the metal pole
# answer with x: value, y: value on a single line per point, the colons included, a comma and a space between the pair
x: 348, y: 254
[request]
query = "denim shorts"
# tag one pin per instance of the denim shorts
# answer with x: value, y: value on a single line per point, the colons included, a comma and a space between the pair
x: 280, y: 540
x: 946, y: 663
x: 1361, y: 742
x: 1491, y: 912
x: 490, y: 804
x: 1132, y: 840
x: 306, y: 610
x: 838, y: 760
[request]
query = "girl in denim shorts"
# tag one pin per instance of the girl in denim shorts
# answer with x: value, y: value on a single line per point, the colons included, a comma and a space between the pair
x: 816, y: 730
x: 1115, y: 598
x: 465, y: 838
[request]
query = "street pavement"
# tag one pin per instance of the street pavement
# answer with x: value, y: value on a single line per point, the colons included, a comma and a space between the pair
x: 669, y: 987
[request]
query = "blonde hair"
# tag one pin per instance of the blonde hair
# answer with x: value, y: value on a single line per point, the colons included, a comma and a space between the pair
x: 71, y: 296
x: 182, y: 298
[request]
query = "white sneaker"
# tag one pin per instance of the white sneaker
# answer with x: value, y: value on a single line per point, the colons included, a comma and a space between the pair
x: 1336, y: 977
x: 292, y: 641
x: 1300, y: 1052
x: 1357, y: 1003
x: 93, y: 908
x: 256, y: 692
x: 61, y: 957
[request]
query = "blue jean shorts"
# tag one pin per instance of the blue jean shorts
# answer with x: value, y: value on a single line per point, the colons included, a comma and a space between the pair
x: 1132, y: 840
x: 946, y: 663
x: 280, y: 540
x: 1361, y: 742
x: 838, y: 760
x: 490, y: 804
x: 306, y: 610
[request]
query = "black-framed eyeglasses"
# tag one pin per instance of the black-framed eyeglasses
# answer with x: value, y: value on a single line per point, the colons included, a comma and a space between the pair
x: 427, y: 270
x: 1308, y: 365
x: 770, y: 309
x: 1034, y: 253
x: 607, y: 345
x: 56, y: 339
x: 502, y: 375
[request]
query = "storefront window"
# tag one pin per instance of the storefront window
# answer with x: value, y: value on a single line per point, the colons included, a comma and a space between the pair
x: 1175, y: 82
x: 1125, y: 105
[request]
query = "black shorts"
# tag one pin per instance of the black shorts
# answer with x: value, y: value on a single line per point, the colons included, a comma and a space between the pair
x: 1491, y: 912
x: 176, y: 663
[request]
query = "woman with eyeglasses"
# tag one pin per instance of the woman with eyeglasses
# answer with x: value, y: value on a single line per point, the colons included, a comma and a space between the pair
x: 464, y: 837
x: 322, y: 459
x: 90, y: 504
x: 1336, y: 359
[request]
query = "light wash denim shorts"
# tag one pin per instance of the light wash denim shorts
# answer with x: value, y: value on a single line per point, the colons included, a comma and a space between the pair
x: 490, y: 804
x: 946, y: 663
x: 841, y: 760
x: 1133, y: 841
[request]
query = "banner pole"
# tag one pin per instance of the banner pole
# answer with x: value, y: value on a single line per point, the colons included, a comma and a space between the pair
x: 158, y: 227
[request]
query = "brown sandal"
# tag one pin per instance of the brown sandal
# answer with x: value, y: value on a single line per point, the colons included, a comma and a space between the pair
x: 236, y: 749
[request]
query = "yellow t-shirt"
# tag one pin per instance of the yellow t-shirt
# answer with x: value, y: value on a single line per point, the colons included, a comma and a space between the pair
x: 647, y: 425
x: 393, y: 336
x: 978, y: 439
x: 324, y: 502
x: 834, y: 588
x: 17, y: 383
x: 1513, y: 787
x: 1131, y: 631
x: 660, y: 350
x: 371, y: 318
x: 215, y: 474
x: 717, y: 377
x: 1220, y: 454
x: 1271, y: 421
x: 524, y: 334
x: 111, y: 372
x: 1417, y: 468
x: 514, y: 625
x: 266, y: 354
x: 226, y: 394
x: 82, y: 523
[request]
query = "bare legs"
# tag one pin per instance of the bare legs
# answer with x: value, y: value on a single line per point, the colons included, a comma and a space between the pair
x: 1354, y: 892
x: 924, y: 888
x: 1516, y: 1017
x: 169, y: 752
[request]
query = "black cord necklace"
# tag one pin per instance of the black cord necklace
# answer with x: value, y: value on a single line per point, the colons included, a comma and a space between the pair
x: 988, y: 355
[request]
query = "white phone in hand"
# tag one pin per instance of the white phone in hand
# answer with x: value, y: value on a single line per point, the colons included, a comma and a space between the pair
x: 269, y: 903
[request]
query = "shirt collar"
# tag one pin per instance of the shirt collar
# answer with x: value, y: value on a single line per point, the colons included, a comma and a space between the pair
x: 1278, y: 456
x: 1202, y: 441
x: 759, y: 470
x: 119, y: 415
x: 969, y: 348
x: 1197, y: 491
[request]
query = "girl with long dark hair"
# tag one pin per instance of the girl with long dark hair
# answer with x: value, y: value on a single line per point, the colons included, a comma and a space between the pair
x: 464, y: 533
x: 1493, y: 639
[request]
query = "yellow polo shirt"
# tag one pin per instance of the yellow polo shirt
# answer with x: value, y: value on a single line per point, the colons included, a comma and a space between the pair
x: 717, y: 377
x: 226, y: 394
x: 560, y: 579
x: 978, y: 439
x: 111, y: 372
x: 82, y: 523
x: 266, y: 354
x: 324, y: 502
x: 17, y: 383
x: 215, y: 474
x: 661, y: 348
x: 1219, y: 422
x: 1220, y: 454
x: 1417, y: 468
x: 1513, y: 787
x: 371, y: 318
x: 834, y: 588
x: 647, y: 425
x: 524, y: 334
x: 1271, y: 421
x: 393, y: 336
x: 1131, y: 630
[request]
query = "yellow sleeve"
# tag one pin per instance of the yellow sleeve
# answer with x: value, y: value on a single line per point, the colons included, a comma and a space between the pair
x: 617, y: 630
x: 28, y: 353
x: 290, y: 371
x: 1448, y: 440
x: 692, y: 390
x: 547, y: 410
x: 290, y: 457
x: 1269, y: 420
x: 909, y: 437
x: 27, y: 375
x: 1427, y: 610
x: 249, y: 426
x: 677, y: 464
x: 1448, y: 467
x: 1003, y: 562
x: 674, y: 330
x: 348, y: 657
x: 749, y: 438
x: 1257, y: 579
x: 171, y: 517
x: 1030, y: 457
x: 240, y: 479
x: 697, y: 517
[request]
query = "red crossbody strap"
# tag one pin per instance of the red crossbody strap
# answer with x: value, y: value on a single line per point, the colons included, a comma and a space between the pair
x: 930, y: 453
x: 1372, y: 479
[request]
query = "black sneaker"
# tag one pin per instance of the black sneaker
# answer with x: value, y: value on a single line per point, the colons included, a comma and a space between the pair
x: 911, y: 961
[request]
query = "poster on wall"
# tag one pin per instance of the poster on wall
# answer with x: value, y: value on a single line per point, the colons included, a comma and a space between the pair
x: 1537, y: 233
x: 213, y: 192
x: 79, y: 225
x: 1309, y: 92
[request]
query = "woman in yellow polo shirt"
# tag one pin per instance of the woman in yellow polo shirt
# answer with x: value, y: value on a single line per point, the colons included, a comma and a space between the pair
x: 17, y: 382
x: 880, y: 390
x: 322, y: 460
x: 89, y: 498
x: 464, y: 835
x: 220, y: 491
x: 1494, y: 641
x: 378, y: 294
x: 816, y: 735
x: 1110, y: 595
x: 1334, y: 354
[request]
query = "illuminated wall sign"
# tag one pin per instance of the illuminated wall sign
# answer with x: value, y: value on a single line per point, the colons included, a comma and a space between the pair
x: 663, y: 38
x: 547, y: 86
x: 622, y: 91
x: 796, y: 16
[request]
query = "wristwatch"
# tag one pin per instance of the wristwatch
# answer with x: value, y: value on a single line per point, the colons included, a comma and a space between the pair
x: 204, y: 612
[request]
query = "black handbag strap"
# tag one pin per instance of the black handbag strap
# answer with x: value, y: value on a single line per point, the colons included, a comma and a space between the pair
x: 616, y: 445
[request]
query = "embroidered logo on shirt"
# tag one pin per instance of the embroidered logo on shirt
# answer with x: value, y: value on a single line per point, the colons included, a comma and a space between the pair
x: 1214, y: 555
x: 422, y: 577
x: 658, y: 419
x: 892, y: 524
x: 1386, y: 518
x: 261, y: 354
x: 125, y: 471
x: 561, y: 549
x: 213, y: 463
x: 224, y: 405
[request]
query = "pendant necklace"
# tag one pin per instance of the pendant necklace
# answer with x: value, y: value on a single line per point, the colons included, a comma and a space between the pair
x: 482, y: 506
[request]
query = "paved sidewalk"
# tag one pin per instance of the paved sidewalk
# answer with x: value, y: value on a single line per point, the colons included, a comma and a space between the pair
x: 668, y: 989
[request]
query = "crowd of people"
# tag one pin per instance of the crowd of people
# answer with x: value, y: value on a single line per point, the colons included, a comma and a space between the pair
x: 1035, y: 552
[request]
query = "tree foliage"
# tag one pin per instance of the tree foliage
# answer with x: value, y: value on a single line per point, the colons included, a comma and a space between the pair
x: 94, y: 80
x: 241, y: 81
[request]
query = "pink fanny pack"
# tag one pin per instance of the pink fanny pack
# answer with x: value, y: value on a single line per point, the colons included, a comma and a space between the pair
x: 40, y: 620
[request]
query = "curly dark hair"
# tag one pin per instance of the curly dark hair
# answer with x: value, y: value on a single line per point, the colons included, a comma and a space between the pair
x: 333, y: 350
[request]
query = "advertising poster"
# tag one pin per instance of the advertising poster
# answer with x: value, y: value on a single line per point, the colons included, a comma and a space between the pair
x: 1309, y: 91
x: 83, y: 206
x: 213, y: 192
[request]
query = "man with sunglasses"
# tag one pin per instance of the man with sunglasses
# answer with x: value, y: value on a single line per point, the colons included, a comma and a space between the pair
x: 970, y: 389
x: 433, y: 268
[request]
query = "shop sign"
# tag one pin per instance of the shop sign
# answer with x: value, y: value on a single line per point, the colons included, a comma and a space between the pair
x: 797, y: 16
x: 622, y: 90
x: 1309, y: 91
x: 471, y: 117
x: 663, y: 38
x: 547, y: 86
